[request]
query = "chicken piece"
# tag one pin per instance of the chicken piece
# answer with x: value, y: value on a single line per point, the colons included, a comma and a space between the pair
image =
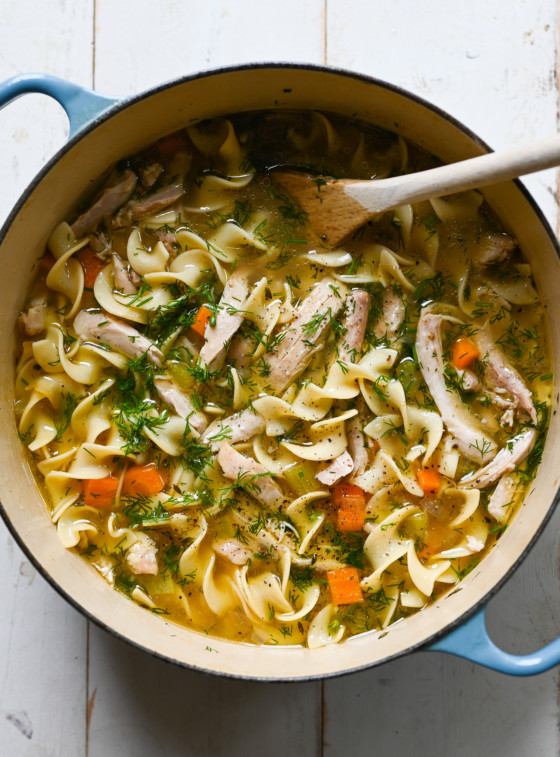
x: 469, y: 381
x: 34, y: 321
x: 228, y: 319
x: 150, y: 173
x: 250, y: 475
x: 471, y: 439
x: 151, y: 203
x: 355, y: 322
x: 126, y: 280
x: 503, y: 497
x: 505, y: 461
x: 336, y: 469
x: 501, y: 373
x: 233, y: 550
x: 392, y: 319
x: 110, y: 200
x: 116, y: 334
x: 357, y: 446
x: 169, y: 240
x: 141, y: 557
x: 237, y: 428
x: 181, y: 403
x: 240, y: 351
x: 310, y: 323
x: 493, y: 248
x: 508, y: 418
x: 99, y: 242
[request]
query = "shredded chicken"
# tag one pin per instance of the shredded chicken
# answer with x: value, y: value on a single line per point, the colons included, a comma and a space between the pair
x: 249, y: 474
x: 240, y: 351
x: 304, y: 333
x: 150, y: 173
x: 232, y: 550
x: 34, y: 321
x: 116, y: 334
x: 141, y: 557
x: 151, y: 203
x: 493, y: 248
x: 126, y: 280
x: 501, y: 373
x: 111, y: 199
x: 168, y: 239
x: 338, y: 468
x: 392, y: 318
x: 471, y: 439
x: 357, y: 445
x: 181, y: 403
x: 355, y: 322
x: 505, y: 461
x: 237, y: 428
x: 503, y: 497
x: 469, y: 381
x: 228, y: 319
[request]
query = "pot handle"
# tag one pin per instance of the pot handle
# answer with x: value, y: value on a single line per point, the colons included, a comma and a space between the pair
x: 81, y: 104
x: 471, y: 641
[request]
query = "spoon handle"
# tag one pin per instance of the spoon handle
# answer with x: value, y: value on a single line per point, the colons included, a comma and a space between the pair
x: 384, y: 194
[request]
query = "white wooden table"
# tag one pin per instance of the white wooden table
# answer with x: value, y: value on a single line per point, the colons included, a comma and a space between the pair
x: 68, y: 689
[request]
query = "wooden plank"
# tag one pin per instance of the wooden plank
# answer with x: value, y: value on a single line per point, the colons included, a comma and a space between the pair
x: 181, y: 37
x: 43, y: 650
x: 144, y: 707
x: 141, y: 705
x: 494, y: 72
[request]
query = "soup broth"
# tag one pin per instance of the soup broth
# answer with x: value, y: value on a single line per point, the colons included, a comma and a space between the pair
x: 261, y: 438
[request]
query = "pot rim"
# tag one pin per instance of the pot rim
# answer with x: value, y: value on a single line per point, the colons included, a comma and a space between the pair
x: 106, y: 115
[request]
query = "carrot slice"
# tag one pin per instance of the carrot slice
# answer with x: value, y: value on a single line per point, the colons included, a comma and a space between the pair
x: 351, y: 503
x: 201, y: 320
x: 91, y: 264
x: 345, y: 586
x: 100, y: 492
x: 351, y: 518
x: 345, y: 493
x: 463, y: 353
x: 46, y: 262
x: 143, y: 481
x: 429, y: 480
x: 171, y: 144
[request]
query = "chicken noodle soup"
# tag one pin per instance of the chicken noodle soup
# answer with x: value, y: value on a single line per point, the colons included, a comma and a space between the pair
x: 262, y: 438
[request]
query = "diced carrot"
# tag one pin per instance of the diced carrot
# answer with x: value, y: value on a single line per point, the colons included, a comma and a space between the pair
x: 429, y: 479
x: 201, y: 320
x: 463, y: 353
x: 91, y: 264
x: 345, y: 586
x: 47, y: 262
x: 351, y: 503
x: 344, y: 493
x: 351, y: 518
x: 171, y: 144
x: 143, y: 481
x: 100, y: 492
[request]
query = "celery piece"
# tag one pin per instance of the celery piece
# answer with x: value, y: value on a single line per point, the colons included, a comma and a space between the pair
x: 181, y: 375
x: 301, y: 478
x: 160, y: 584
x: 415, y: 526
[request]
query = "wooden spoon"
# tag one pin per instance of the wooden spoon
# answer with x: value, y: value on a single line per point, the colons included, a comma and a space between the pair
x: 336, y: 207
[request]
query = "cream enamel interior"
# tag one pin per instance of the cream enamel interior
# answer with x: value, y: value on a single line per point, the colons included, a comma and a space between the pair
x: 136, y: 126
